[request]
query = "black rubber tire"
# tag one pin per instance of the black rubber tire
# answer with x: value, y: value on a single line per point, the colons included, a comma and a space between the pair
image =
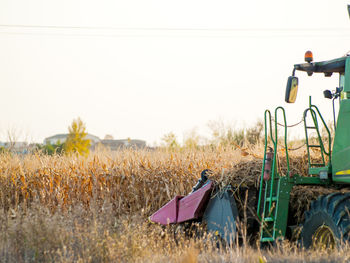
x: 331, y: 211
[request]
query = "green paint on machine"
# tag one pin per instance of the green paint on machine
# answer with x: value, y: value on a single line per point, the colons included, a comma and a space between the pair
x: 333, y: 170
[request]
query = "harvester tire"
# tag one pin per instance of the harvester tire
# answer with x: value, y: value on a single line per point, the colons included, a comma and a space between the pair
x: 327, y: 223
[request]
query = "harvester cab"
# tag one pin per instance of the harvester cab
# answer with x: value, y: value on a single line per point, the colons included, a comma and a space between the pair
x: 338, y: 166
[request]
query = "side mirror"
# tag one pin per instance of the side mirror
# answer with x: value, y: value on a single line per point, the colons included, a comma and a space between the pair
x: 327, y: 94
x: 291, y: 89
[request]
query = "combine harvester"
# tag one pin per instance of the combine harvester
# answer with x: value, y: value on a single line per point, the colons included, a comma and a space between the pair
x: 327, y: 222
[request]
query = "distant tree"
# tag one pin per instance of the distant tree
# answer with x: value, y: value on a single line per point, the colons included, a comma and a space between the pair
x: 218, y: 130
x: 3, y: 149
x: 76, y: 141
x: 225, y: 135
x: 51, y: 149
x: 229, y: 136
x: 12, y: 136
x: 255, y: 132
x: 191, y: 139
x: 170, y: 140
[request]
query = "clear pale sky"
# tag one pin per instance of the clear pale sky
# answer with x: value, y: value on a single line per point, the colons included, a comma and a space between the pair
x: 141, y: 69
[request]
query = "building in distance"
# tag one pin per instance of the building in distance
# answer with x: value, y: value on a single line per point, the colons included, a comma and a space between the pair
x: 62, y: 137
x: 108, y: 142
x: 115, y: 145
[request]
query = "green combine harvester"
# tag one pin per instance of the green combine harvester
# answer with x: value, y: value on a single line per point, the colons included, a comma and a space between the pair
x: 327, y: 222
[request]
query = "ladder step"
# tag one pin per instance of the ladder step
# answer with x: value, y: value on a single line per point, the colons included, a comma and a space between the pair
x: 310, y: 127
x: 269, y: 219
x: 314, y: 146
x: 267, y: 239
x: 271, y: 199
x: 317, y: 164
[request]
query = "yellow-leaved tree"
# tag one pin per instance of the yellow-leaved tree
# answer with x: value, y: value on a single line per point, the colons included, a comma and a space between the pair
x: 170, y: 140
x: 76, y: 141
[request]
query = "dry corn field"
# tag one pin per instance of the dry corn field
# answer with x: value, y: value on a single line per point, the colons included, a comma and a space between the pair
x: 95, y: 209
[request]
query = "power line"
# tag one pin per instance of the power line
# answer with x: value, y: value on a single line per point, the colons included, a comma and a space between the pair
x: 169, y: 28
x: 138, y: 32
x: 176, y: 35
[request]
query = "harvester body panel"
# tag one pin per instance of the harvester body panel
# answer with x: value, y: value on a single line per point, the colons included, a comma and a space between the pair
x: 168, y: 213
x: 216, y: 209
x: 341, y: 146
x: 221, y: 215
x: 181, y: 209
x: 192, y: 206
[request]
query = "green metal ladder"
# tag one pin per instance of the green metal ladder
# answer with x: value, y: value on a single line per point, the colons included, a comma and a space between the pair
x: 276, y: 190
x: 315, y: 168
x: 274, y: 194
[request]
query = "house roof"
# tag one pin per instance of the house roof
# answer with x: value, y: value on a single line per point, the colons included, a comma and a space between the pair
x: 57, y: 136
